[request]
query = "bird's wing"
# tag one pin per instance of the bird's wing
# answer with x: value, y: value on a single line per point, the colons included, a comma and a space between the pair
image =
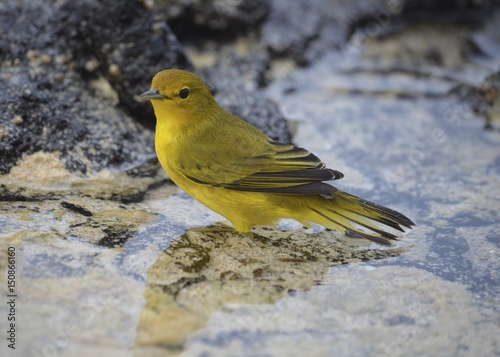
x: 276, y: 168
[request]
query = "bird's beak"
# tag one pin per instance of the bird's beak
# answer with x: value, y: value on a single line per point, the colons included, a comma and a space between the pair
x: 152, y: 94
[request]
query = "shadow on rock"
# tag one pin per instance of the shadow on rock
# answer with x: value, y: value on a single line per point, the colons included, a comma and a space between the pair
x: 207, y: 268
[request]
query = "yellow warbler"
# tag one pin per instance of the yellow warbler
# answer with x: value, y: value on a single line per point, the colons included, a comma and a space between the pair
x: 250, y: 179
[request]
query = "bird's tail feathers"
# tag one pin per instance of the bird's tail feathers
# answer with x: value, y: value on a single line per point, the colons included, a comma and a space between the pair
x: 357, y: 216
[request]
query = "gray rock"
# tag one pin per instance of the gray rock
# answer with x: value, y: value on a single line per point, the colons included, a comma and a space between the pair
x: 71, y: 73
x: 100, y: 275
x: 49, y: 100
x: 235, y: 85
x: 129, y: 42
x: 204, y: 18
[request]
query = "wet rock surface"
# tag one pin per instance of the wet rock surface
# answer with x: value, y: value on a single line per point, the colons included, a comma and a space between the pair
x: 208, y: 268
x: 114, y: 260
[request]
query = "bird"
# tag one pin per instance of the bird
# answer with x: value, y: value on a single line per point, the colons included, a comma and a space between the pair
x: 248, y: 178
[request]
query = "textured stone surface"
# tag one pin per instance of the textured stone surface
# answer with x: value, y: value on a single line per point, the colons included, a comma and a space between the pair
x: 226, y: 18
x: 129, y: 44
x: 119, y: 262
x: 408, y: 312
x: 207, y: 269
x: 73, y: 90
x: 49, y: 98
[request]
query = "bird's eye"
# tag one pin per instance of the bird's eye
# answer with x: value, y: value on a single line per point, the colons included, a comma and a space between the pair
x: 184, y: 93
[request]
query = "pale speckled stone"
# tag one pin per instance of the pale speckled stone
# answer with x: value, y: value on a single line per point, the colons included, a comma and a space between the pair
x: 207, y: 269
x: 45, y: 174
x: 129, y: 280
x: 357, y: 312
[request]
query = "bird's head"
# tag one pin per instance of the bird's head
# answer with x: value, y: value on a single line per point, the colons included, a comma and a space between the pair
x: 179, y: 95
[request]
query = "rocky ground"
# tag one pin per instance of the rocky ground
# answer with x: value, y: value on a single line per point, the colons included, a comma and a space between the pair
x: 113, y: 260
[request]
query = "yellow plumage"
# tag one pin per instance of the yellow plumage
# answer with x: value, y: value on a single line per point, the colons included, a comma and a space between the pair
x: 240, y: 173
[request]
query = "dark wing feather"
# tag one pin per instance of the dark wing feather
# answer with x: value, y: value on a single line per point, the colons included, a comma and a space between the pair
x: 281, y: 168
